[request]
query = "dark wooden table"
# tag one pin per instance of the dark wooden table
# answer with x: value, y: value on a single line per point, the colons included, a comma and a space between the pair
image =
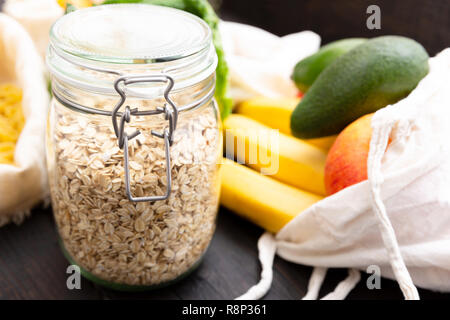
x: 33, y: 267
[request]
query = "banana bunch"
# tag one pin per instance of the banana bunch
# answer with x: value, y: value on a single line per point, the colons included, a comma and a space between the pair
x: 265, y: 201
x: 274, y: 176
x: 276, y: 113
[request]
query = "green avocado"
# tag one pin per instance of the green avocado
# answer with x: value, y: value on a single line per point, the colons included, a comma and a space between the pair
x: 307, y: 70
x: 377, y: 73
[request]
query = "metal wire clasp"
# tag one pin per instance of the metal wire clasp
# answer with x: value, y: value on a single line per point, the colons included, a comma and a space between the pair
x: 171, y: 114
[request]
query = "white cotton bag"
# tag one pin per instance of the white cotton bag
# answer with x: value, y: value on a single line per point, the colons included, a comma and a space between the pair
x: 37, y: 17
x: 398, y: 219
x: 24, y: 184
x: 260, y: 62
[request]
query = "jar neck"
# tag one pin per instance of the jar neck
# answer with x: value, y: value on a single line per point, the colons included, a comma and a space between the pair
x: 91, y: 102
x: 99, y: 76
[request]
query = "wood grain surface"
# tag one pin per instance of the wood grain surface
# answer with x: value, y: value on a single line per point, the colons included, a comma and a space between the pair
x: 33, y: 267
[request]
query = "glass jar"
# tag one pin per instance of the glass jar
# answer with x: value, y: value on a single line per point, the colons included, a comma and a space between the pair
x: 133, y: 142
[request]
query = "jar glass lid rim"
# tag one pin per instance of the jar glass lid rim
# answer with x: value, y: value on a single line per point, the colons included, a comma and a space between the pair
x: 130, y: 33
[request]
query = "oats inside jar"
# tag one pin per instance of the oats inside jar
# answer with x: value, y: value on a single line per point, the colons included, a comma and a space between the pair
x: 142, y: 243
x: 133, y: 142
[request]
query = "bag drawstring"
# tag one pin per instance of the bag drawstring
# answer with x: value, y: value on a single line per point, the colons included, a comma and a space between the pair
x: 378, y: 145
x: 267, y: 248
x: 267, y: 242
x: 339, y: 293
x: 315, y: 283
x: 345, y: 286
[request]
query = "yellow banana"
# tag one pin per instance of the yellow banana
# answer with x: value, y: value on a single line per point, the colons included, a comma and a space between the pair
x: 266, y: 202
x: 276, y: 113
x: 283, y: 157
x: 77, y: 3
x: 323, y: 143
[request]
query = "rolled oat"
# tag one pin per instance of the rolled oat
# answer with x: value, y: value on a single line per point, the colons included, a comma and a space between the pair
x: 118, y: 240
x: 149, y: 57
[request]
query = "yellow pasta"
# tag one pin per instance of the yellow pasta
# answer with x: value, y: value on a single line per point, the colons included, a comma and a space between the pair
x: 11, y: 121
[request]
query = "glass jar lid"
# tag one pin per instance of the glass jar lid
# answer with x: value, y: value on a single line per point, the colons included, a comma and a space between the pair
x: 130, y: 39
x: 129, y: 33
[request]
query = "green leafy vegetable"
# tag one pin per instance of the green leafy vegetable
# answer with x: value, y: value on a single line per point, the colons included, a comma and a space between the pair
x: 70, y: 8
x: 202, y: 9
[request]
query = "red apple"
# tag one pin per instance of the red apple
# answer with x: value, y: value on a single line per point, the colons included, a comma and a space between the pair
x: 347, y: 159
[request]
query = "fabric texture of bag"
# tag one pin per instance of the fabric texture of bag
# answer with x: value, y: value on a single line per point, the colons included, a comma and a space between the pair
x: 24, y: 184
x: 37, y: 17
x: 398, y: 219
x: 260, y: 62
